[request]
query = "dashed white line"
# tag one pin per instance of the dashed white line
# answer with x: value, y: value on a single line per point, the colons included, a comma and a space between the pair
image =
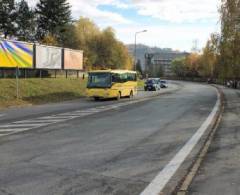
x: 13, y: 130
x: 2, y: 115
x: 18, y: 125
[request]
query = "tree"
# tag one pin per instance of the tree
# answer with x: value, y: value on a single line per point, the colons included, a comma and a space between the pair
x: 230, y: 39
x: 25, y: 22
x: 139, y: 67
x: 192, y: 63
x: 210, y: 56
x: 7, y: 17
x: 52, y: 18
x: 49, y: 40
x: 69, y: 37
x: 87, y: 35
x: 101, y: 48
x: 179, y: 67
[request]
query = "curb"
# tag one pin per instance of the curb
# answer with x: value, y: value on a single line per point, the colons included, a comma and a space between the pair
x: 186, y: 182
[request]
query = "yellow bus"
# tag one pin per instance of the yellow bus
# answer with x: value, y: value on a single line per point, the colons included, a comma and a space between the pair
x: 111, y: 84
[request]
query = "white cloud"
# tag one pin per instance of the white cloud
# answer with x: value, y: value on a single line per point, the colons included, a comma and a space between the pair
x: 90, y: 9
x: 177, y: 10
x: 177, y: 33
x: 172, y: 36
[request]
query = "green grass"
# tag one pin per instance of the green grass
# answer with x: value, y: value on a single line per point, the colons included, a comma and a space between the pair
x: 140, y: 84
x: 40, y: 91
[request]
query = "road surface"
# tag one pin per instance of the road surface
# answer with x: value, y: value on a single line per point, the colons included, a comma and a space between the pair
x: 220, y: 171
x: 107, y: 147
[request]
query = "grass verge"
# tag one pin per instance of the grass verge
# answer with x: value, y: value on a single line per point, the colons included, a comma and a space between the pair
x: 40, y: 91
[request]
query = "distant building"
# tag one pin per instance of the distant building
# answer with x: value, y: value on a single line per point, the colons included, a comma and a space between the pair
x: 160, y: 64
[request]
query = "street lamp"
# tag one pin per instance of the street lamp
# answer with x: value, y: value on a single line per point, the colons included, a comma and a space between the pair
x: 135, y: 47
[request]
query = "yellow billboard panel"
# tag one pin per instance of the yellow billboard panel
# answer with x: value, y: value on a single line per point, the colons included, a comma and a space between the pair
x: 16, y: 54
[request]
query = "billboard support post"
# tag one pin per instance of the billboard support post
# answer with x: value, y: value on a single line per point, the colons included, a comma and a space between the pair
x: 25, y: 73
x: 17, y: 83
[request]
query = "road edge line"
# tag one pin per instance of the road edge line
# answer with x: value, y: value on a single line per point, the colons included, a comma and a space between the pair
x: 166, y: 175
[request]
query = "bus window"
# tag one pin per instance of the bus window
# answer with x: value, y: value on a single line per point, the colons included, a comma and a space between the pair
x: 99, y: 80
x: 116, y: 78
x: 132, y: 77
x: 124, y: 77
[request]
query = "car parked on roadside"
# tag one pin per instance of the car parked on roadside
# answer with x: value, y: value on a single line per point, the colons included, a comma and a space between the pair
x: 163, y: 84
x: 152, y: 84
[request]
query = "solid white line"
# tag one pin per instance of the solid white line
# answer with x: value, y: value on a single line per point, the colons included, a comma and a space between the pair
x: 160, y: 181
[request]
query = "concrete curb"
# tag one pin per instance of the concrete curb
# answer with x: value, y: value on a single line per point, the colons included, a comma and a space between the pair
x: 183, y: 189
x: 200, y: 152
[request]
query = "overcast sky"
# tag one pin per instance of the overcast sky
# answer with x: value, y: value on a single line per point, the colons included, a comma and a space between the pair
x: 170, y: 23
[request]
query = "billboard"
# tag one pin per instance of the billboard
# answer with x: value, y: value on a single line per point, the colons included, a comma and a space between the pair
x: 73, y: 59
x: 48, y: 57
x: 16, y: 54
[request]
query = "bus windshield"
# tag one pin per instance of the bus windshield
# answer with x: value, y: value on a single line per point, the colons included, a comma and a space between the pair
x: 99, y: 80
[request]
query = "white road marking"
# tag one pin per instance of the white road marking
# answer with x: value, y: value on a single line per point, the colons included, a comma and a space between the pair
x: 19, y: 125
x: 2, y: 115
x: 160, y: 181
x: 53, y: 117
x: 33, y: 121
x: 49, y: 120
x: 13, y: 130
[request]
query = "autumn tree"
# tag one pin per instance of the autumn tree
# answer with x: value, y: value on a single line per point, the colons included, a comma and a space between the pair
x: 230, y: 39
x: 179, y: 67
x: 210, y: 57
x: 101, y: 47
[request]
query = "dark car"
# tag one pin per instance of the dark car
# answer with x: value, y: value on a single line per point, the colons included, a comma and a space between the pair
x: 163, y: 84
x: 152, y: 85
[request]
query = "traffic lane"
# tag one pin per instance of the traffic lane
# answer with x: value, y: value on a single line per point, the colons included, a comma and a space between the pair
x: 30, y: 112
x: 220, y: 171
x: 115, y: 152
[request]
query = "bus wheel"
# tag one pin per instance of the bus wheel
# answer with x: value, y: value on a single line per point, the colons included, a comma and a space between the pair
x: 131, y: 95
x: 96, y: 98
x: 119, y: 96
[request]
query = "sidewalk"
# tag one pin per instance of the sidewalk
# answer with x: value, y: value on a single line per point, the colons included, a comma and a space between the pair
x: 220, y: 171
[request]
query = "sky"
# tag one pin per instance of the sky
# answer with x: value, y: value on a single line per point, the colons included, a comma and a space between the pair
x: 172, y: 24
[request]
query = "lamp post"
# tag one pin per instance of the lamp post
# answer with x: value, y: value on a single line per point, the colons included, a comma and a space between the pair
x: 135, y: 47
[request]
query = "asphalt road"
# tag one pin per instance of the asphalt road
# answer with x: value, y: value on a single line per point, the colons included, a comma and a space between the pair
x: 99, y: 151
x: 220, y: 171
